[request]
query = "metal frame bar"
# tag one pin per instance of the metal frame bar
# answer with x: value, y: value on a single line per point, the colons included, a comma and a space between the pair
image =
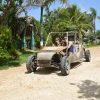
x: 63, y: 33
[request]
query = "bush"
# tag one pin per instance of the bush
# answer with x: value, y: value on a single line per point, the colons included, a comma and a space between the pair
x: 6, y: 42
x: 4, y: 56
x: 5, y: 36
x: 14, y: 53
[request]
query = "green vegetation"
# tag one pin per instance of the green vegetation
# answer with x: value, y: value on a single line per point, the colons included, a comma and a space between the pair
x: 66, y: 19
x: 89, y: 45
x: 98, y: 34
x: 6, y: 61
x: 7, y: 43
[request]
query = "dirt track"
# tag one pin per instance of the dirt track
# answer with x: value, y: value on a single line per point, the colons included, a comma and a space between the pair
x: 83, y: 83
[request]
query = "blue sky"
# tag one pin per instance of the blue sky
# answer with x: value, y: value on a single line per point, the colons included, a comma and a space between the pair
x: 85, y: 5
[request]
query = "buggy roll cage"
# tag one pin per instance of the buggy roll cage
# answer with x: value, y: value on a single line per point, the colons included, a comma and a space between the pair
x: 61, y: 33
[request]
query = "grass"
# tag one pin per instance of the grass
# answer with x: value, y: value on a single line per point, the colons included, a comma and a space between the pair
x: 92, y: 45
x: 15, y: 63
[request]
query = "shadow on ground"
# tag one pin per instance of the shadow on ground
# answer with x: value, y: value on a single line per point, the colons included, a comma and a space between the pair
x: 46, y: 70
x: 50, y: 70
x: 75, y: 65
x: 88, y: 90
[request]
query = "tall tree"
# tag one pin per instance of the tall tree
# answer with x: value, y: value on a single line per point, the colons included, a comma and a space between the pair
x: 42, y: 4
x: 66, y: 19
x: 94, y: 15
x: 8, y: 9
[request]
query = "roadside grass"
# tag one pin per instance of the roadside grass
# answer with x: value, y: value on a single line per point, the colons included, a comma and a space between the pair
x: 15, y: 63
x: 90, y: 45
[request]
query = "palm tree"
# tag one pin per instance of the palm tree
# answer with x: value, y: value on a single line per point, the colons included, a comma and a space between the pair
x: 94, y: 15
x: 42, y: 4
x: 10, y: 10
x: 66, y: 19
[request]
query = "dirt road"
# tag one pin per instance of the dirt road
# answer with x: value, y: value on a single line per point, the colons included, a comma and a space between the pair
x: 83, y: 83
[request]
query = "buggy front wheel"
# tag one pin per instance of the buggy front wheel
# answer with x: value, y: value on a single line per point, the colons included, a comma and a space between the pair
x: 30, y: 66
x: 65, y: 66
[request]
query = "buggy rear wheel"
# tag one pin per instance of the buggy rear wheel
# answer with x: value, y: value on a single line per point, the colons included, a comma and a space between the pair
x: 87, y: 56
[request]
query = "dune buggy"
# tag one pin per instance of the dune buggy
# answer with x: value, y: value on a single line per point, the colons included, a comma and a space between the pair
x: 61, y: 56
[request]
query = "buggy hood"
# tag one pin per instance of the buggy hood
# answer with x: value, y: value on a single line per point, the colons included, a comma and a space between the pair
x: 54, y: 49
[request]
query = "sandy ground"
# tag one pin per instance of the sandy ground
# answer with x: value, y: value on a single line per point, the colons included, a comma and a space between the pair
x: 83, y: 83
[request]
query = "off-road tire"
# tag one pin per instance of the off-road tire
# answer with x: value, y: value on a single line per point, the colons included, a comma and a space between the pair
x: 87, y: 56
x: 65, y: 66
x: 30, y: 64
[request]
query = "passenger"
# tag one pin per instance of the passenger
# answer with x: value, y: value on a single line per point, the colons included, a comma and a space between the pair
x: 65, y: 41
x: 77, y: 42
x: 57, y: 42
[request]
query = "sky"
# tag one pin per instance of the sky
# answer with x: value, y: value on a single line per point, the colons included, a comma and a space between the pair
x: 84, y: 5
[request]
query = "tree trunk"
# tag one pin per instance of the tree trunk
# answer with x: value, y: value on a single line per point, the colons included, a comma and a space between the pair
x: 32, y: 39
x: 23, y: 39
x: 94, y: 28
x: 41, y: 28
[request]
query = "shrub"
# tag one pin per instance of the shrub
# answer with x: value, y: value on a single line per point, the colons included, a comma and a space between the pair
x: 6, y: 42
x: 4, y: 56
